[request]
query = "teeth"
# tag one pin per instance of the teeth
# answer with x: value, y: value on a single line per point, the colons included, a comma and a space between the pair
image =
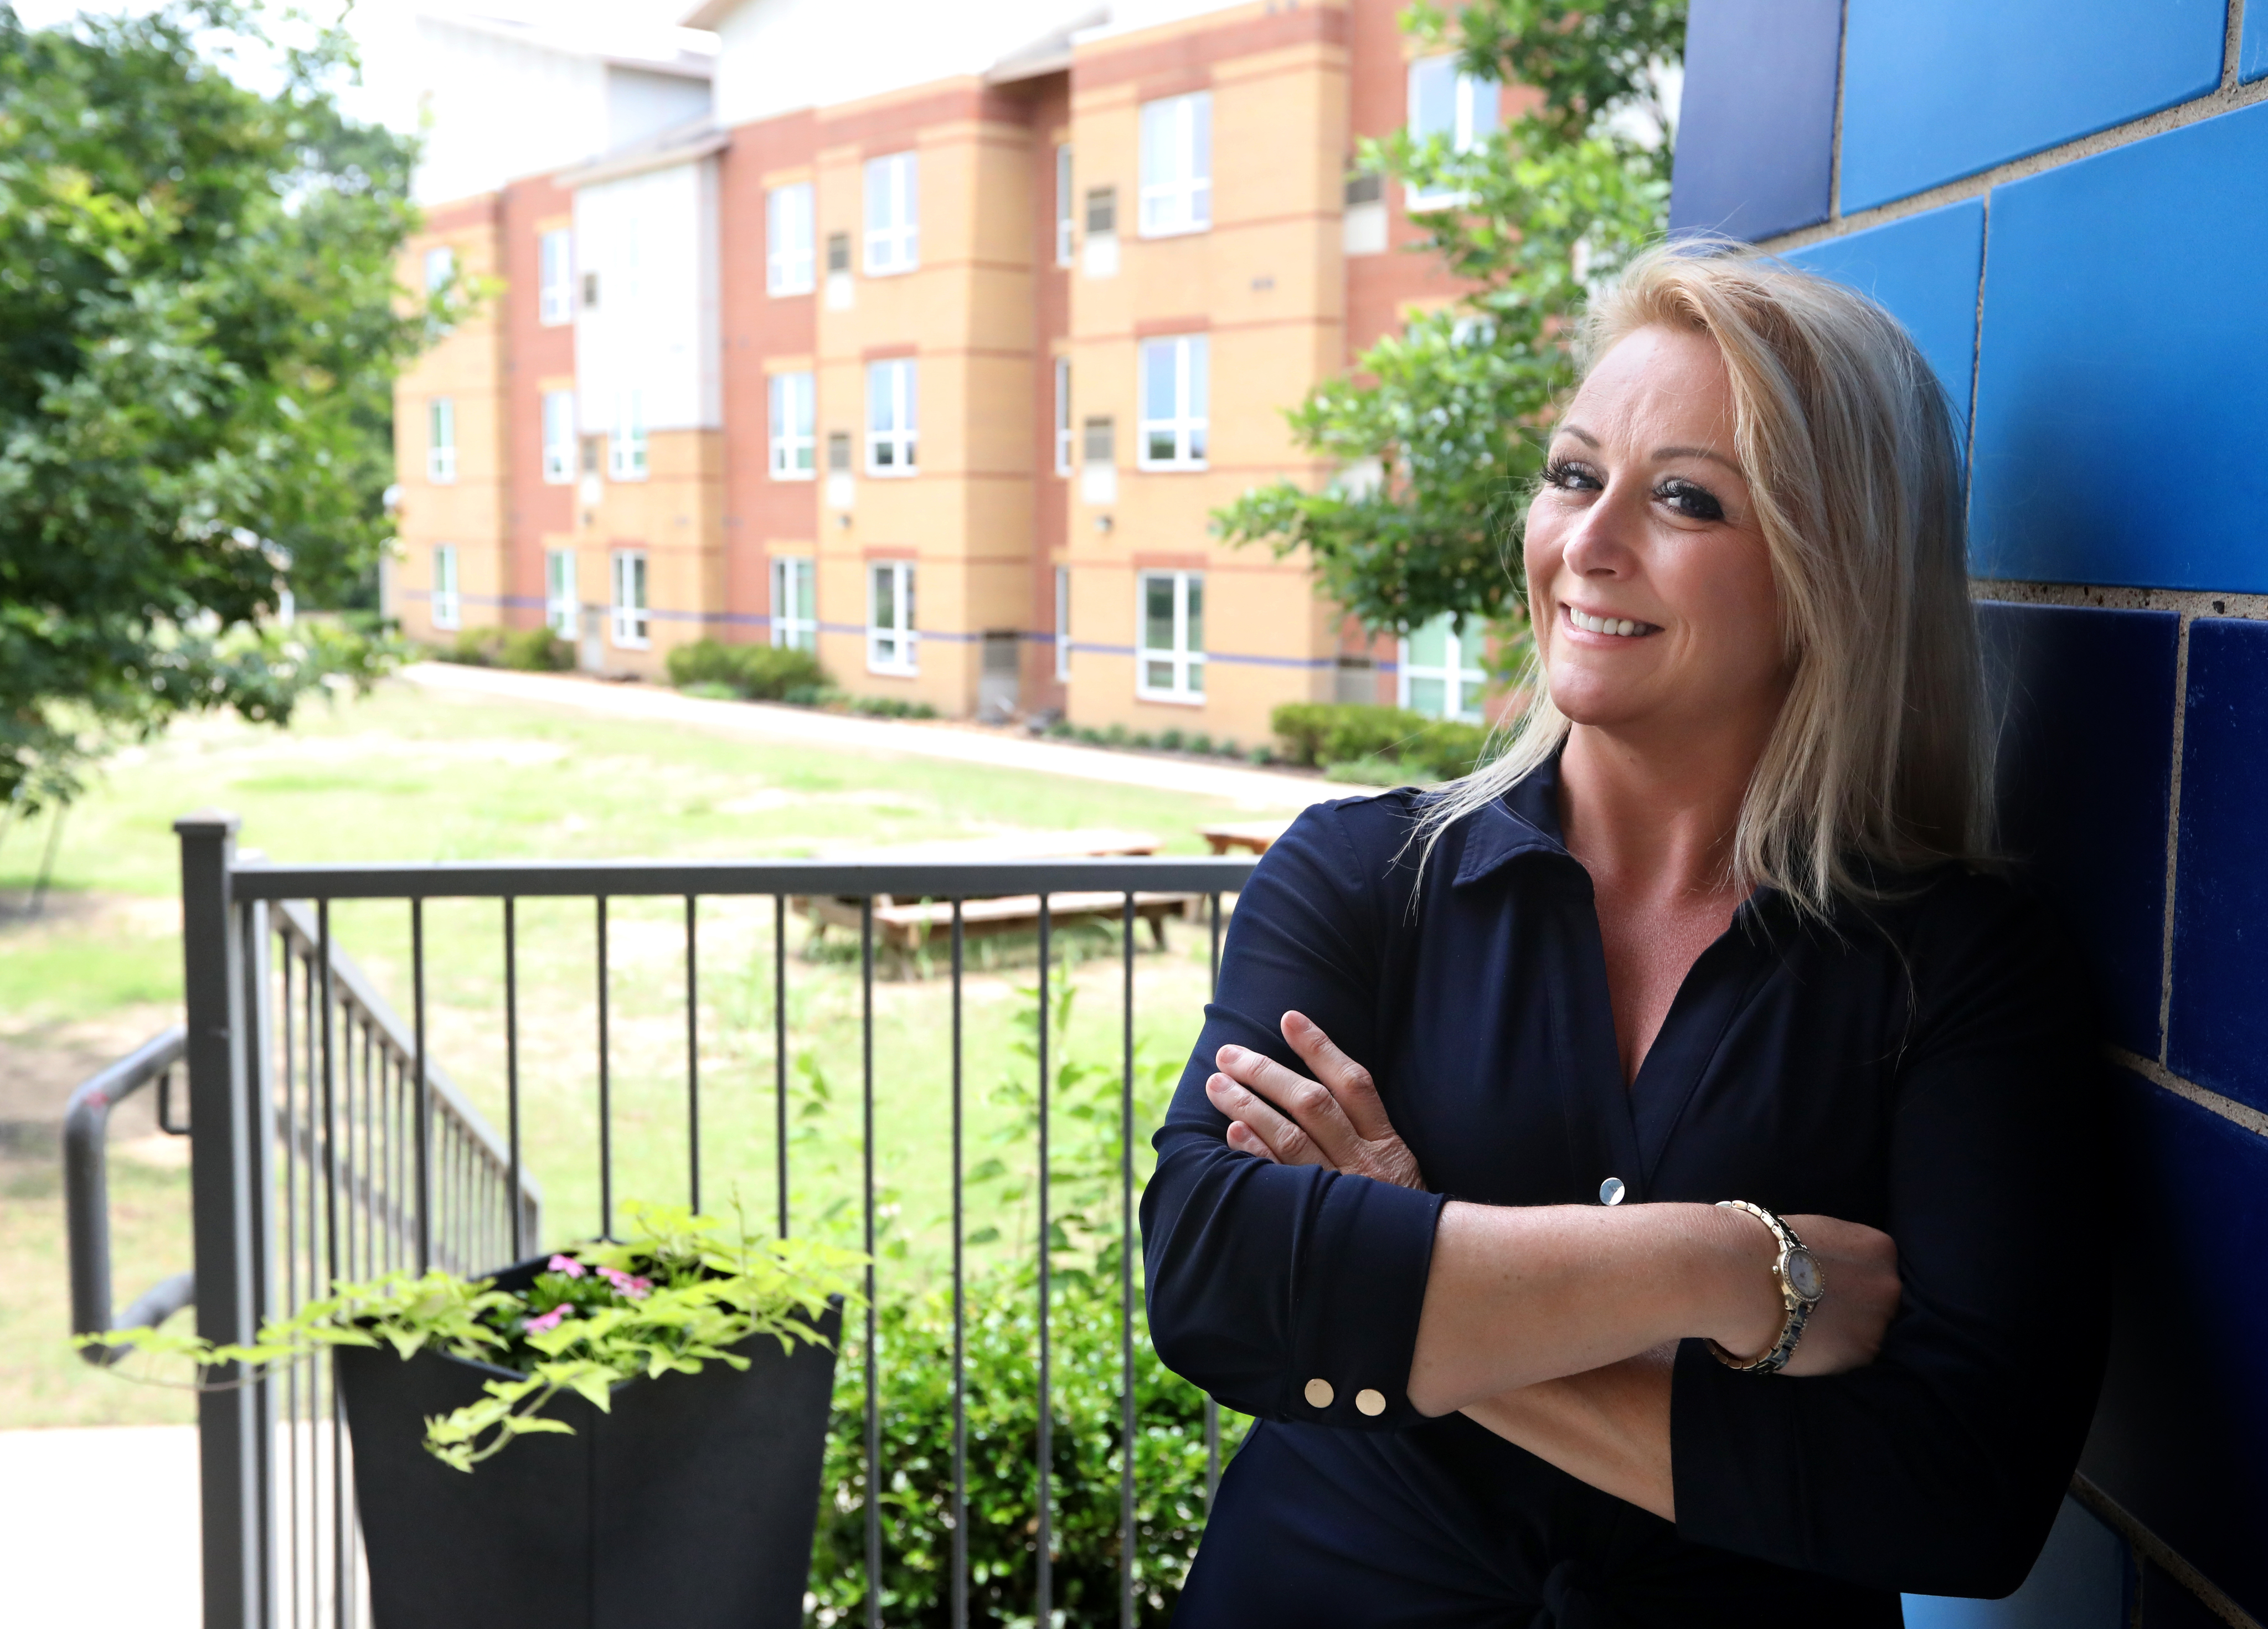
x: 1621, y: 625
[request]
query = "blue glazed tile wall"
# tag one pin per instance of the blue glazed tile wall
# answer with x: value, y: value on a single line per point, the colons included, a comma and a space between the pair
x: 2083, y: 1580
x: 1926, y: 270
x: 1758, y: 114
x: 2124, y: 326
x: 1934, y: 89
x: 2252, y: 49
x: 2218, y: 1026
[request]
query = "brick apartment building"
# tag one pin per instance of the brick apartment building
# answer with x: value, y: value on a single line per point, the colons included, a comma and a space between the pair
x: 924, y: 337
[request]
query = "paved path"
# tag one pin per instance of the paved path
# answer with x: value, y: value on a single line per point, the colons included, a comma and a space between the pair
x: 99, y: 1527
x: 963, y: 743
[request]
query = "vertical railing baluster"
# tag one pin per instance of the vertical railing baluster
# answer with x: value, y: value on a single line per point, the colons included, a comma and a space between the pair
x: 331, y: 1248
x: 1212, y: 1407
x: 606, y: 1104
x: 291, y: 1269
x: 692, y: 1056
x: 421, y: 1095
x: 1126, y: 1534
x: 779, y: 1048
x: 1044, y: 1584
x: 511, y: 1068
x: 873, y: 1325
x: 960, y: 1314
x: 372, y: 1127
x: 311, y: 1439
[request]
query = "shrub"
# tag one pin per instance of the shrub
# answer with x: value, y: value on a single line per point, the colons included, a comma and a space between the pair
x: 890, y: 707
x: 1170, y: 739
x: 537, y: 649
x: 1061, y: 727
x: 1370, y: 773
x: 810, y: 694
x: 1093, y: 737
x: 1199, y: 742
x: 752, y: 672
x: 475, y: 648
x: 1325, y: 734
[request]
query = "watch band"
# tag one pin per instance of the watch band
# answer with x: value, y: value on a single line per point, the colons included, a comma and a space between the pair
x: 1798, y: 1306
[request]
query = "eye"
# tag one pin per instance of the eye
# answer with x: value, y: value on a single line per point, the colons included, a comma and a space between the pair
x: 1570, y: 476
x: 1695, y: 503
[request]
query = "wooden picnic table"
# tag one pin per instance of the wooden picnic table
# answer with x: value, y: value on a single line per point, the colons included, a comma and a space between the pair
x: 1251, y: 835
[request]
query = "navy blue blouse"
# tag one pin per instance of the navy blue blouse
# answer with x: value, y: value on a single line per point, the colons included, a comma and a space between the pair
x: 1924, y: 1067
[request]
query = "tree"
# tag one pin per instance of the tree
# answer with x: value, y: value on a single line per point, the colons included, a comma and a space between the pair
x: 1437, y: 433
x: 199, y: 330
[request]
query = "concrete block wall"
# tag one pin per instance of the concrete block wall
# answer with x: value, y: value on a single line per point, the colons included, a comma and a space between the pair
x: 2066, y: 201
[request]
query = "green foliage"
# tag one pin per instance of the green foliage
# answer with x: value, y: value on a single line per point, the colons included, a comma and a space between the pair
x: 1378, y: 744
x: 751, y: 671
x: 888, y: 707
x: 673, y: 1296
x: 1437, y: 431
x: 198, y: 336
x: 526, y: 650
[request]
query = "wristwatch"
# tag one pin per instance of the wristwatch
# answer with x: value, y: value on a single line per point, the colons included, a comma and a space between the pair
x: 1803, y: 1283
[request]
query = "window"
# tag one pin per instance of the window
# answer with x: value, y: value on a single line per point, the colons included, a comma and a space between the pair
x: 1066, y: 204
x: 1440, y: 675
x: 1102, y: 212
x: 795, y: 603
x: 555, y: 278
x: 1063, y: 624
x: 1457, y: 107
x: 562, y: 610
x: 440, y: 267
x: 890, y: 427
x: 794, y: 432
x: 626, y: 445
x: 890, y: 636
x: 788, y: 240
x: 893, y: 224
x: 1174, y: 395
x: 441, y: 440
x: 1177, y: 164
x: 559, y: 437
x: 1063, y: 416
x: 446, y: 606
x: 1170, y: 665
x: 630, y: 603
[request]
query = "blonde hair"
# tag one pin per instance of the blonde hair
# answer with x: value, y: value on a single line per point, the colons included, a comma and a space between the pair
x: 1849, y: 445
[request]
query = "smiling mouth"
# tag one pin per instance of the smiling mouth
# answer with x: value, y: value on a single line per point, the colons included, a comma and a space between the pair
x: 1621, y: 626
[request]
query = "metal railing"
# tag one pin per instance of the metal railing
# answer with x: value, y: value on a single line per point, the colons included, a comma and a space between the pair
x: 356, y: 1192
x: 86, y: 1194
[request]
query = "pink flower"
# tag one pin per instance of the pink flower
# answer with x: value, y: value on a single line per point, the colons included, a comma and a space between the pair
x: 549, y: 1321
x: 567, y: 1265
x: 634, y: 1289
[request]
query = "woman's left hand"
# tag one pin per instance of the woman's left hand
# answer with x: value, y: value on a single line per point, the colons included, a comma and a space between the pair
x: 1334, y: 1120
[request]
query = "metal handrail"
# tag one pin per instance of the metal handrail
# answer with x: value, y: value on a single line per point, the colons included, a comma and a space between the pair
x: 86, y: 1199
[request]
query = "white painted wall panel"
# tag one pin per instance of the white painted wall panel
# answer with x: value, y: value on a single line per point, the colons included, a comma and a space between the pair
x: 651, y: 239
x: 640, y: 103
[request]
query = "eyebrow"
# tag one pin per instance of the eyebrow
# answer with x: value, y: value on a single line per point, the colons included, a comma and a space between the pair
x: 1588, y: 439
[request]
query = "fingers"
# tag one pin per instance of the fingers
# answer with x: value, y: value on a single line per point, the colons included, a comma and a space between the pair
x: 1307, y: 1102
x: 1348, y: 1080
x: 1256, y: 1127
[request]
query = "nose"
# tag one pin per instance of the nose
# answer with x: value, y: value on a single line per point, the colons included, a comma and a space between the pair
x: 1601, y: 542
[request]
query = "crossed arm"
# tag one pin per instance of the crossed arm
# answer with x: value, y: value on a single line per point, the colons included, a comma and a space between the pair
x: 1600, y: 1295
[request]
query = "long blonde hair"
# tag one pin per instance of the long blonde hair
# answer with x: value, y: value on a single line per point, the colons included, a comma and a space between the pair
x: 1853, y: 462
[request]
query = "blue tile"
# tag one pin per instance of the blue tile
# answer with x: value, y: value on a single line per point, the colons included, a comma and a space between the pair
x: 1933, y: 89
x: 2084, y: 774
x: 2218, y: 1025
x: 2252, y: 49
x: 2119, y: 390
x: 1756, y: 129
x: 2083, y: 1580
x: 1925, y: 269
x: 2181, y: 1435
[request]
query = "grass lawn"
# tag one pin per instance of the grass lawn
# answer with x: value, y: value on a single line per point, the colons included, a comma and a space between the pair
x: 407, y: 774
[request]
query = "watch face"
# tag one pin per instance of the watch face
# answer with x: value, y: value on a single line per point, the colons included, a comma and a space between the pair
x: 1804, y: 1275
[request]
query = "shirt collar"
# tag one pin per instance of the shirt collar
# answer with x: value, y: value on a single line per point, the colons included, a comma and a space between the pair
x: 1524, y: 820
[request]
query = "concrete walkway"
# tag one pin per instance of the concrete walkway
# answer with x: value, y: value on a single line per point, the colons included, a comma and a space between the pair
x: 1255, y: 789
x: 99, y: 1527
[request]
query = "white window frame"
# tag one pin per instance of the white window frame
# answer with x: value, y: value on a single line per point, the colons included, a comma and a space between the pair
x: 1458, y: 668
x: 1064, y: 436
x: 440, y: 266
x: 1187, y: 422
x: 894, y: 647
x: 448, y: 601
x: 793, y: 417
x: 562, y: 605
x: 893, y: 419
x: 1186, y: 661
x: 892, y: 206
x: 1063, y: 624
x: 1470, y: 122
x: 795, y: 582
x: 559, y: 437
x: 791, y: 240
x: 1176, y: 166
x: 555, y: 278
x: 626, y: 445
x: 629, y: 599
x: 441, y: 440
x: 1066, y: 205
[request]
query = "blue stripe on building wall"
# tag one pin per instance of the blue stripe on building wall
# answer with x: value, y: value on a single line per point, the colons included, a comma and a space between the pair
x: 1934, y: 89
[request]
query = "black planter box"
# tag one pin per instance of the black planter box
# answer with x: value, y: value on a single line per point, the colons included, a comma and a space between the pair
x: 691, y: 1504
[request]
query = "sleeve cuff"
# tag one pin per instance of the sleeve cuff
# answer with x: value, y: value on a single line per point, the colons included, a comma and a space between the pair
x: 1358, y: 1288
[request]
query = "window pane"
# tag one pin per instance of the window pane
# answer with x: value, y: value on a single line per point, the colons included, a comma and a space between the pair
x: 1158, y: 675
x: 1158, y: 166
x: 1195, y: 683
x: 906, y: 584
x: 885, y: 597
x: 805, y: 592
x: 1158, y: 379
x: 1063, y: 393
x: 1158, y: 615
x: 1197, y: 614
x: 1468, y: 698
x: 880, y: 409
x: 1426, y: 696
x: 1200, y: 353
x: 1433, y: 98
x: 904, y: 372
x: 1429, y: 644
x: 1484, y: 94
x: 1200, y: 136
x: 1159, y: 446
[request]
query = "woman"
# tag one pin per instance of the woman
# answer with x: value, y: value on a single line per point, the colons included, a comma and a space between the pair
x: 1718, y: 928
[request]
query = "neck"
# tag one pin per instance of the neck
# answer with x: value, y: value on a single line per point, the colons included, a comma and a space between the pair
x: 1655, y: 816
